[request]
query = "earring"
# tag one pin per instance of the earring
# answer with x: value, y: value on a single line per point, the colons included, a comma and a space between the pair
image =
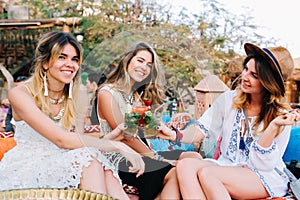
x: 70, y: 89
x: 45, y: 85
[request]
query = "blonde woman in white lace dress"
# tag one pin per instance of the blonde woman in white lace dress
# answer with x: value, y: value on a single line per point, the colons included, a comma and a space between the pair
x: 50, y: 151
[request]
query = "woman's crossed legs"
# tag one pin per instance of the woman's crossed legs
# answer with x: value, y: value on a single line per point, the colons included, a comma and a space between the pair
x: 96, y: 179
x: 202, y: 179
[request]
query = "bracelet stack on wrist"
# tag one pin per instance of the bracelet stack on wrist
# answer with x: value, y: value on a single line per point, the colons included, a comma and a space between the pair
x: 178, y: 139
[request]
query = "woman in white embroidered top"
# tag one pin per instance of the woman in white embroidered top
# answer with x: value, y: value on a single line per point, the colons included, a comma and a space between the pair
x: 254, y: 124
x: 50, y: 151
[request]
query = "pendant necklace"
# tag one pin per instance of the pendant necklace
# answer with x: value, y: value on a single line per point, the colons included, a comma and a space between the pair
x: 127, y: 98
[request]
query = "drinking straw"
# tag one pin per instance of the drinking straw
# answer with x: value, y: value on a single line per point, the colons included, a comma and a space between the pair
x: 156, y: 109
x: 139, y: 96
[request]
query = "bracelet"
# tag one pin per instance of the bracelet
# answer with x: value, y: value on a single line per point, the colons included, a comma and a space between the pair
x: 178, y: 139
x: 158, y: 157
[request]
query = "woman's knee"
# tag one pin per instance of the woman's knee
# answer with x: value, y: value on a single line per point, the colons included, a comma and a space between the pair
x: 190, y: 154
x: 95, y: 163
x: 91, y: 175
x: 187, y: 167
x: 171, y: 175
x: 94, y: 167
x: 204, y: 173
x: 182, y: 164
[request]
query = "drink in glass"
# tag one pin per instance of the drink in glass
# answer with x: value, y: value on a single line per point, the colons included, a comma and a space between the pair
x: 131, y: 121
x: 151, y: 125
x: 140, y: 109
x: 151, y: 120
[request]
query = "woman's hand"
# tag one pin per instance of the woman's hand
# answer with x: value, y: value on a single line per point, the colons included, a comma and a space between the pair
x: 289, y: 118
x: 137, y: 163
x: 117, y: 133
x: 271, y: 132
x: 166, y: 133
x: 296, y: 113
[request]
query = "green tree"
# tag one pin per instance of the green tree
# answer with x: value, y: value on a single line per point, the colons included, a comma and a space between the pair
x: 190, y: 45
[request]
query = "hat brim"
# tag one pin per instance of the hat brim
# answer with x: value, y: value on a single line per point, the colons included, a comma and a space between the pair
x: 251, y: 48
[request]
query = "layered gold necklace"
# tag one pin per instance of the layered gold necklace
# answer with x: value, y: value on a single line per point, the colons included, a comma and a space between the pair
x: 58, y: 117
x: 59, y: 101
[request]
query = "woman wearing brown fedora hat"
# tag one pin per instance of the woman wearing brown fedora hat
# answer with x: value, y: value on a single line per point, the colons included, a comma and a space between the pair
x: 254, y: 123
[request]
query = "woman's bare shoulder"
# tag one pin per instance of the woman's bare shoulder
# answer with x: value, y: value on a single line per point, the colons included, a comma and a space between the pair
x: 17, y: 91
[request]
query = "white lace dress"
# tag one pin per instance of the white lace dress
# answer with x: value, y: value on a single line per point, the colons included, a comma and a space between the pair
x: 114, y: 158
x: 35, y: 162
x: 104, y: 126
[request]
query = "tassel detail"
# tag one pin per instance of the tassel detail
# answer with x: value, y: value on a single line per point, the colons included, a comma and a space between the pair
x: 70, y: 89
x: 45, y: 85
x: 242, y: 143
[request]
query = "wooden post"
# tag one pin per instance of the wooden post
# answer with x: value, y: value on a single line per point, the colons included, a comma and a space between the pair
x: 290, y: 88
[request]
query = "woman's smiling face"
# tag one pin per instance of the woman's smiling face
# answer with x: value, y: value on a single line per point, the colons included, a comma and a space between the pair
x: 65, y: 67
x: 250, y: 81
x: 140, y: 66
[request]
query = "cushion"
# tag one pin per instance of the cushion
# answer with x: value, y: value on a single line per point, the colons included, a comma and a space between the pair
x: 6, y: 134
x: 292, y: 151
x: 130, y: 189
x: 92, y: 128
x: 62, y: 194
x: 6, y: 144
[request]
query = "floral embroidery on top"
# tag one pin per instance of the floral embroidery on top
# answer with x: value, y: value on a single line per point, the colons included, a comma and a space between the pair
x: 202, y: 128
x: 248, y: 142
x: 262, y: 150
x: 233, y: 146
x: 261, y: 177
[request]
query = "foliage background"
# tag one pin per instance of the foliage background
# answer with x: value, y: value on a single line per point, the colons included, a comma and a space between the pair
x: 190, y: 45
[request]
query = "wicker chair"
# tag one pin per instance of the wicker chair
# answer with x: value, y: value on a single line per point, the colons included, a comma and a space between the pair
x: 52, y: 194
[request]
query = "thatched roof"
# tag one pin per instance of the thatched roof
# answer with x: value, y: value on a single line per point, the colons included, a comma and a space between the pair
x: 211, y: 84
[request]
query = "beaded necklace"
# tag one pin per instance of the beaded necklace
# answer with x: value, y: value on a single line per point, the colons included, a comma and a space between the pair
x: 58, y: 117
x: 57, y: 101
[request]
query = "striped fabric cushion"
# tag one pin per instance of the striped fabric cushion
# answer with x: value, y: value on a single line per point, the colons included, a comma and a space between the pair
x: 6, y: 134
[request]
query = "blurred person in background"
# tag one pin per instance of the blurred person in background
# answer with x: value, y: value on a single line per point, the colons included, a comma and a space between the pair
x: 9, y: 122
x: 91, y: 86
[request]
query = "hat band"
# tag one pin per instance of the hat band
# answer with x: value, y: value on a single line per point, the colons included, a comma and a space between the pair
x: 275, y: 60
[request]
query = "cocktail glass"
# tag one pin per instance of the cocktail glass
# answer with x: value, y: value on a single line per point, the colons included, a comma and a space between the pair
x: 152, y: 121
x: 140, y: 109
x: 151, y: 125
x: 132, y: 121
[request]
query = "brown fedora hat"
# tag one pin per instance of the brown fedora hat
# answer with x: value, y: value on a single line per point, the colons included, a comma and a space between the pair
x: 279, y: 59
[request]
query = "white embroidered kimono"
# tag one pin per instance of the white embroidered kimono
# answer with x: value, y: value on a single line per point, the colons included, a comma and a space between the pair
x: 222, y: 119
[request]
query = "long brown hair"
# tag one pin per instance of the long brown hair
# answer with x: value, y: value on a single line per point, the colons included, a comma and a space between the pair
x: 273, y: 102
x: 152, y: 86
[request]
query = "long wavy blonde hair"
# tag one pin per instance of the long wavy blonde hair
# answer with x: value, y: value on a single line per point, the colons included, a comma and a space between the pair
x: 153, y: 86
x: 48, y: 49
x: 273, y: 102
